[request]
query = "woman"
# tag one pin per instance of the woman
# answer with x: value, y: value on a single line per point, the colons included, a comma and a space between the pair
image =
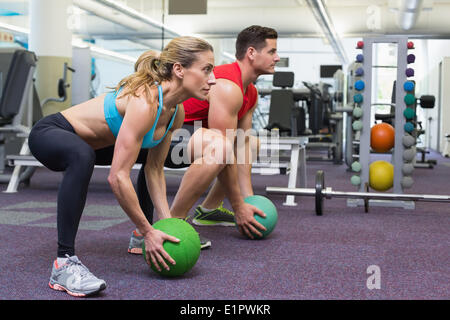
x: 145, y: 107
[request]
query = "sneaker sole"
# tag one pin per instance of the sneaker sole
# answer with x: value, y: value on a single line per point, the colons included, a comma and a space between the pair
x: 59, y: 287
x: 135, y: 251
x: 205, y: 245
x: 212, y: 223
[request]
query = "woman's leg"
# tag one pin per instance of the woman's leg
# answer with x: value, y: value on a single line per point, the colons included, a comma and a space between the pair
x: 59, y: 148
x: 56, y: 145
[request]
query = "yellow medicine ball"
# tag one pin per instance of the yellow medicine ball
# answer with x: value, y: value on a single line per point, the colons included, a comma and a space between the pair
x: 381, y: 175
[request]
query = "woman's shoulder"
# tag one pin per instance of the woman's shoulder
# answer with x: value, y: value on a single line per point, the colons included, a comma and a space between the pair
x: 144, y: 95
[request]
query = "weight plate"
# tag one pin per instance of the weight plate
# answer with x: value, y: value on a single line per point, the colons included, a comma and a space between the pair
x: 366, y: 199
x: 320, y: 185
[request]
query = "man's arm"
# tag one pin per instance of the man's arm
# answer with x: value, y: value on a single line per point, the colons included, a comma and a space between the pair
x: 225, y: 101
x: 247, y: 153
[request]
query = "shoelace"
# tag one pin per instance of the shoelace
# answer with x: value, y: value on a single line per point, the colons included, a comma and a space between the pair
x: 221, y: 208
x: 80, y: 268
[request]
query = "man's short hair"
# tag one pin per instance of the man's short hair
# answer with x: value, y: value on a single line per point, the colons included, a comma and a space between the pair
x: 253, y: 36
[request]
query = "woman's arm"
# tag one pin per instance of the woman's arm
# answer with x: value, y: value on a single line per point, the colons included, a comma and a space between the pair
x: 139, y: 117
x: 154, y: 169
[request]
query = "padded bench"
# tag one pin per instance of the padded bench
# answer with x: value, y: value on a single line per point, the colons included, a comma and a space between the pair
x: 292, y: 147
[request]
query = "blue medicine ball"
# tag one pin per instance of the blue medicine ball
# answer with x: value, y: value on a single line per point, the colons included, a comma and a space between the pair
x: 409, y: 127
x: 359, y: 85
x: 358, y: 98
x: 408, y: 86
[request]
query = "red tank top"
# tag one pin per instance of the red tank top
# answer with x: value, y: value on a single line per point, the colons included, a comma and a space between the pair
x: 197, y: 110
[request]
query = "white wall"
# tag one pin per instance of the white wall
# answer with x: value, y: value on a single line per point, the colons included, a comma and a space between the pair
x: 444, y: 116
x: 307, y: 55
x: 109, y: 73
x: 429, y: 54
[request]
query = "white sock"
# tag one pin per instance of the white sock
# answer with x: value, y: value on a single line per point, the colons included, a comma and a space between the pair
x: 205, y: 210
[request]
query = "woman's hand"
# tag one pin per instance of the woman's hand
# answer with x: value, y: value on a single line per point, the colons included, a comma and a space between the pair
x: 154, y: 250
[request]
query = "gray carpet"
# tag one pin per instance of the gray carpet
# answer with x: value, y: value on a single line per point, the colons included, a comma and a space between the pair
x: 306, y: 257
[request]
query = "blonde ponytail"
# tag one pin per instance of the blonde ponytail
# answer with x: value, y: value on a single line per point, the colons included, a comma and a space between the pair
x: 152, y: 67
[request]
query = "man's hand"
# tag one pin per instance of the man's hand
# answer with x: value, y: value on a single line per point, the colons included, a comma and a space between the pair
x: 246, y: 222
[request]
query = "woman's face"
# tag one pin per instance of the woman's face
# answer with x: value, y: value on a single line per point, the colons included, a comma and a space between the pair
x: 199, y: 78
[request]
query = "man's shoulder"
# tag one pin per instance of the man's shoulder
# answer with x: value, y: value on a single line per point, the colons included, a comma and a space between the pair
x: 228, y: 88
x: 228, y: 71
x: 227, y: 92
x: 224, y: 67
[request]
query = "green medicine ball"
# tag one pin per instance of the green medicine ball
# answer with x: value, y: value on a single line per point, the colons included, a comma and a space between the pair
x: 267, y: 206
x: 356, y: 166
x: 409, y: 113
x: 355, y: 180
x: 358, y: 98
x: 357, y: 125
x: 410, y: 99
x: 357, y: 112
x: 185, y: 253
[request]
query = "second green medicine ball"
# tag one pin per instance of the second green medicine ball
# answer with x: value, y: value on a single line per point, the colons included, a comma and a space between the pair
x: 267, y: 206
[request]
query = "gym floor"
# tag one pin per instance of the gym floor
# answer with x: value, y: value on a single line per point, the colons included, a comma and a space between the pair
x: 306, y: 257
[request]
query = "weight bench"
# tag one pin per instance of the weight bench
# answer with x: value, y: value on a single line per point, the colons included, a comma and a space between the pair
x: 446, y: 152
x: 293, y: 146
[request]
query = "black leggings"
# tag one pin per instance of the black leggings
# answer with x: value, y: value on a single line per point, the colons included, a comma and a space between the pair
x: 55, y: 144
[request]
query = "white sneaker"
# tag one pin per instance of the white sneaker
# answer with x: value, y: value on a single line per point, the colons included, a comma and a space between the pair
x: 74, y: 278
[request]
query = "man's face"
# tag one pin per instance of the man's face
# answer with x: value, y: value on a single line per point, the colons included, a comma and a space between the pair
x: 266, y: 58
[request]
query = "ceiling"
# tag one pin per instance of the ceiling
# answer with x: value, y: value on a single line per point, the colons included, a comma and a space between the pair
x: 225, y: 18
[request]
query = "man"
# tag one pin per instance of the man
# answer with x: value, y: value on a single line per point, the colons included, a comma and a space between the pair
x: 229, y: 106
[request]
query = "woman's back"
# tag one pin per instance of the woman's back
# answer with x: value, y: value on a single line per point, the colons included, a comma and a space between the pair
x: 88, y: 121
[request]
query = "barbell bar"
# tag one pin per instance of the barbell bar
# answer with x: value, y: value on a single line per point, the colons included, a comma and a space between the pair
x: 320, y: 192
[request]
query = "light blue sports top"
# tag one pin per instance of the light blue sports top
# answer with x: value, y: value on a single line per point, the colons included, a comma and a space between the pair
x: 114, y: 119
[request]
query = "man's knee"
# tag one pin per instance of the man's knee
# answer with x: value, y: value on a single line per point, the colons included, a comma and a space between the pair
x: 212, y: 146
x: 255, y: 144
x: 219, y: 150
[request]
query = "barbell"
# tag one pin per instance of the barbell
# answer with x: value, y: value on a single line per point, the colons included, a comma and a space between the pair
x: 320, y: 192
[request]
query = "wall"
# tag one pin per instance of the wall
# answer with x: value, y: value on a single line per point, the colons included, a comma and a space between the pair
x: 306, y: 56
x: 444, y: 115
x: 430, y: 53
x: 109, y: 73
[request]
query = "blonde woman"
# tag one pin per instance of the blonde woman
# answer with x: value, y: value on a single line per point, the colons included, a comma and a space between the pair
x: 140, y: 114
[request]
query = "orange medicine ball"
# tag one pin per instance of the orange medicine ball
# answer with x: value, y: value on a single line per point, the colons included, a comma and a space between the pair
x: 382, y: 137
